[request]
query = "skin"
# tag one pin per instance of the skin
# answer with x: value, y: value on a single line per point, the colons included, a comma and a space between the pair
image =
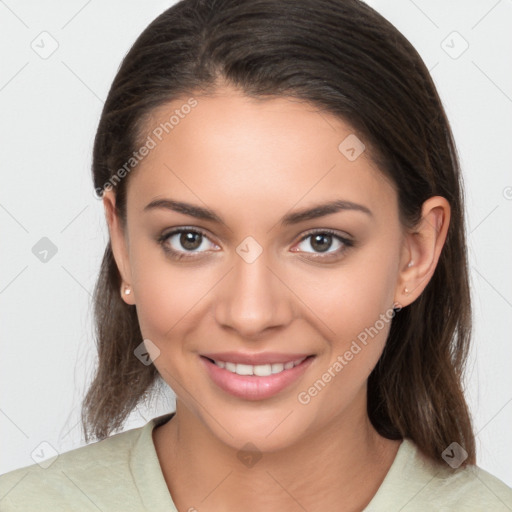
x: 253, y: 161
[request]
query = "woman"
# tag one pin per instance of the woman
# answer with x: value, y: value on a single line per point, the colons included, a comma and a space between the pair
x: 287, y: 253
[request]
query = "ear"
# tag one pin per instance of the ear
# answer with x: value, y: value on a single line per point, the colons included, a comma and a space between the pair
x: 421, y: 250
x: 119, y: 244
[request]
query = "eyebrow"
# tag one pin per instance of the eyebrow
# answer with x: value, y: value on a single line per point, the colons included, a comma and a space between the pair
x: 314, y: 212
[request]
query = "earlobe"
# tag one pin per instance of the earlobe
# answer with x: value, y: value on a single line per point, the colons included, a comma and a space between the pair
x: 422, y: 249
x: 125, y: 294
x: 119, y: 246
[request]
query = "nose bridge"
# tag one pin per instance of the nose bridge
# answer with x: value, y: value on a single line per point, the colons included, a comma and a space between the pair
x: 253, y: 298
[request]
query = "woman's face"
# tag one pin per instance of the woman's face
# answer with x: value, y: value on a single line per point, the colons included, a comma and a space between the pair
x: 255, y: 278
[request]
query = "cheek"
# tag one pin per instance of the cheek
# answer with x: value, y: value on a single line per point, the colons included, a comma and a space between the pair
x: 353, y: 297
x: 354, y: 305
x: 168, y: 297
x: 358, y: 313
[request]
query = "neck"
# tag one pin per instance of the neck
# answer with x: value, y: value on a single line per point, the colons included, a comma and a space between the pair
x: 338, y: 468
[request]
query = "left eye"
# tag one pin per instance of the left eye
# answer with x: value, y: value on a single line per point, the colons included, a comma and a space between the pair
x: 322, y: 241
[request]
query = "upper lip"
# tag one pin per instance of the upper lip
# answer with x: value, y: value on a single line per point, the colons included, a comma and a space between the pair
x: 254, y: 359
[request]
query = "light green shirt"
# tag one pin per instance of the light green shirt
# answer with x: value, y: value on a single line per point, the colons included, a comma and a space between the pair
x: 122, y: 473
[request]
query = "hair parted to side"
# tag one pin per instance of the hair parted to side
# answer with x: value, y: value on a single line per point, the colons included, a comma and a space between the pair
x: 346, y: 59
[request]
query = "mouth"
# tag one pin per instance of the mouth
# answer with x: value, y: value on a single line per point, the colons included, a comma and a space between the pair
x: 255, y: 381
x: 260, y: 370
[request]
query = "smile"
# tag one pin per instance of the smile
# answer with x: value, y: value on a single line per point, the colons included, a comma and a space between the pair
x: 255, y: 381
x: 260, y: 370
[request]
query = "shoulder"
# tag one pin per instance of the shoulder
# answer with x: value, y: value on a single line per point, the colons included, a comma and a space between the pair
x: 415, y: 483
x: 81, y: 479
x: 468, y: 488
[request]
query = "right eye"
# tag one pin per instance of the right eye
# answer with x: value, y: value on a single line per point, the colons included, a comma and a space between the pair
x: 184, y: 242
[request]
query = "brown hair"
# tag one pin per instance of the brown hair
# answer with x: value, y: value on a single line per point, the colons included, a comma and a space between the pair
x: 345, y: 58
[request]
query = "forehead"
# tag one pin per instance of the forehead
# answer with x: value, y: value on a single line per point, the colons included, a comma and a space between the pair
x: 247, y: 156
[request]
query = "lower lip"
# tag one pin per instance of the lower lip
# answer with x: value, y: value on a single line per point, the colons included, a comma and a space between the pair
x: 252, y: 387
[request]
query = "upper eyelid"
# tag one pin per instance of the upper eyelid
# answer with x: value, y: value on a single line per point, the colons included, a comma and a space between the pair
x: 329, y: 231
x: 185, y: 229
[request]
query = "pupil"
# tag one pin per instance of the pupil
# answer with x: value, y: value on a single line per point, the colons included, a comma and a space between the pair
x: 321, y: 242
x: 187, y: 240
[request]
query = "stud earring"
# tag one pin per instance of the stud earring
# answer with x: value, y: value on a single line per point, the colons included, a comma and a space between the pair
x: 406, y: 291
x: 127, y: 290
x: 410, y: 264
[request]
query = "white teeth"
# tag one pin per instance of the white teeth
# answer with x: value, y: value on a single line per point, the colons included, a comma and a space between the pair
x: 277, y: 367
x: 244, y: 369
x: 231, y: 367
x: 260, y: 370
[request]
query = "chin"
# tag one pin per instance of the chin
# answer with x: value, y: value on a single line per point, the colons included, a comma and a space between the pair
x: 268, y: 429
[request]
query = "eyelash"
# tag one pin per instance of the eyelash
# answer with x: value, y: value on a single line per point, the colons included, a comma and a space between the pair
x: 176, y: 255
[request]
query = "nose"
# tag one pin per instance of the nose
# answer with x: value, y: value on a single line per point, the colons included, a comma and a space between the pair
x: 253, y: 298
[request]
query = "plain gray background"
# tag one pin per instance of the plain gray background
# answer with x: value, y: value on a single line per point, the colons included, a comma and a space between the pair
x: 50, y: 106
